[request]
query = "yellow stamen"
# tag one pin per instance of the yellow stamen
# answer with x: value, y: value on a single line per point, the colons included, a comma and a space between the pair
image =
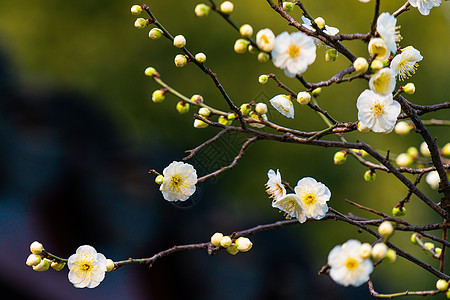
x: 293, y: 51
x: 378, y: 109
x: 351, y: 263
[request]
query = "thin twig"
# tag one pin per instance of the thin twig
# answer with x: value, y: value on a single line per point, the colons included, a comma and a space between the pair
x: 406, y: 293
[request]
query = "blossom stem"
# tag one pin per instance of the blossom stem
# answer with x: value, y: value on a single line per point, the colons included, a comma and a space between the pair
x: 406, y: 293
x: 48, y: 255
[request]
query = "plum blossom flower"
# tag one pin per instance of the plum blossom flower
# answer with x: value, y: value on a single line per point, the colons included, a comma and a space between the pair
x: 405, y: 64
x: 292, y: 206
x: 378, y: 49
x: 87, y: 267
x: 347, y: 265
x: 424, y: 6
x: 179, y: 181
x: 293, y: 52
x: 265, y: 39
x: 383, y: 82
x: 284, y: 105
x: 275, y: 187
x: 314, y: 196
x: 386, y: 27
x: 377, y: 112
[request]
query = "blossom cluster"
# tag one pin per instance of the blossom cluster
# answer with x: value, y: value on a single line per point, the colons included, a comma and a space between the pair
x: 233, y: 246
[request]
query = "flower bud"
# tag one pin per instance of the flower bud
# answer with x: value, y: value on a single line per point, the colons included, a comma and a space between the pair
x: 155, y: 33
x: 216, y: 238
x: 402, y: 128
x: 442, y: 285
x: 403, y: 160
x: 179, y: 41
x: 424, y: 149
x: 316, y: 92
x: 320, y: 22
x: 150, y: 71
x: 409, y: 88
x: 232, y: 249
x: 158, y: 96
x: 303, y: 98
x: 202, y: 10
x: 58, y: 266
x: 447, y: 294
x: 197, y: 98
x: 180, y: 60
x: 438, y: 250
x: 413, y: 152
x: 288, y: 6
x: 340, y: 157
x: 252, y: 49
x: 33, y: 260
x: 414, y: 238
x: 446, y: 150
x: 36, y: 247
x: 240, y: 46
x: 261, y: 108
x: 243, y: 244
x: 391, y: 256
x: 263, y: 57
x: 224, y: 121
x: 365, y: 250
x: 227, y: 7
x: 376, y: 65
x: 263, y: 79
x: 140, y: 23
x: 231, y: 116
x: 109, y: 265
x: 370, y: 175
x: 331, y: 55
x: 136, y: 9
x: 433, y: 179
x: 254, y: 115
x: 182, y: 107
x: 379, y: 251
x: 43, y: 265
x: 361, y: 65
x: 386, y: 229
x: 429, y: 246
x: 399, y: 211
x: 204, y: 112
x: 159, y: 179
x: 200, y: 57
x: 245, y: 109
x: 246, y: 30
x: 225, y: 241
x: 200, y: 124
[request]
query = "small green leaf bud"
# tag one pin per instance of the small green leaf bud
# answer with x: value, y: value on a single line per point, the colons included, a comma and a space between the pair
x: 202, y: 10
x: 263, y: 57
x: 376, y: 65
x: 316, y: 92
x: 409, y: 88
x: 109, y: 265
x: 36, y: 247
x: 379, y: 251
x: 215, y: 239
x: 225, y: 241
x: 386, y: 229
x: 243, y: 244
x: 442, y: 285
x: 227, y: 7
x: 261, y: 108
x: 288, y: 6
x: 224, y: 121
x: 320, y: 22
x: 158, y: 96
x: 150, y: 71
x: 232, y: 249
x: 43, y: 265
x: 179, y: 41
x: 231, y: 116
x: 241, y: 46
x: 303, y: 98
x: 246, y: 30
x: 263, y: 79
x: 159, y: 179
x: 182, y: 107
x: 365, y: 251
x: 331, y: 55
x: 370, y: 175
x: 245, y: 109
x: 402, y: 128
x: 446, y: 150
x: 414, y: 238
x: 197, y: 98
x: 200, y: 124
x: 204, y: 112
x: 200, y: 57
x: 33, y: 260
x: 399, y: 211
x: 136, y: 9
x: 403, y: 160
x: 361, y: 65
x: 363, y: 128
x: 180, y: 60
x: 58, y: 266
x: 424, y: 149
x: 155, y: 33
x: 340, y: 157
x: 140, y: 23
x: 391, y: 256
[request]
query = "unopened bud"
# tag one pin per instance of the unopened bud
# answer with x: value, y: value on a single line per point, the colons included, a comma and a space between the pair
x: 231, y: 116
x: 438, y: 250
x: 241, y: 46
x: 155, y: 33
x: 331, y: 55
x: 232, y: 249
x: 409, y: 88
x: 340, y: 157
x: 182, y: 107
x: 263, y: 79
x: 180, y: 60
x: 197, y: 98
x: 225, y: 241
x: 202, y: 10
x: 179, y: 41
x: 245, y: 109
x: 246, y: 30
x: 414, y: 237
x: 136, y: 9
x: 224, y: 121
x: 288, y: 6
x: 140, y: 23
x: 428, y: 246
x: 303, y: 98
x: 36, y: 247
x: 109, y: 265
x: 216, y: 238
x: 320, y: 22
x: 261, y: 108
x: 370, y: 175
x: 263, y: 57
x: 363, y: 128
x: 200, y: 124
x: 403, y: 160
x: 442, y: 285
x: 43, y: 265
x: 402, y: 128
x: 391, y: 256
x: 424, y: 149
x: 413, y: 152
x: 159, y: 179
x: 150, y: 71
x: 33, y: 260
x: 243, y: 244
x: 379, y: 251
x: 446, y: 150
x: 227, y: 7
x: 361, y: 65
x: 158, y: 96
x: 386, y: 229
x: 376, y: 65
x: 399, y: 211
x: 316, y: 92
x: 204, y: 112
x: 254, y: 115
x: 200, y: 57
x: 58, y: 266
x: 365, y: 250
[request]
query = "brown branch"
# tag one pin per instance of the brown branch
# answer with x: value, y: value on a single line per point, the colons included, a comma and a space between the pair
x: 402, y: 9
x: 373, y: 24
x: 211, y: 140
x: 406, y: 293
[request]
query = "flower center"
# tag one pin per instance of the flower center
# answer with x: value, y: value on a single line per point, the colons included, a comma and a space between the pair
x: 265, y: 39
x: 293, y: 51
x: 176, y: 180
x: 378, y: 109
x: 309, y: 199
x: 379, y: 50
x: 351, y: 263
x: 85, y: 267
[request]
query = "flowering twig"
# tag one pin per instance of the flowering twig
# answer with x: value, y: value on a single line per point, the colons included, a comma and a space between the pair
x: 406, y: 293
x: 211, y: 140
x: 405, y: 7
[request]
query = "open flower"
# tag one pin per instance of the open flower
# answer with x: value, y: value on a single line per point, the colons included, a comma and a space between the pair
x: 87, y: 267
x: 425, y: 6
x: 347, y: 267
x: 377, y: 112
x: 293, y: 52
x: 405, y: 64
x: 383, y: 82
x: 265, y: 39
x: 179, y: 181
x: 378, y: 49
x: 292, y: 206
x: 386, y: 27
x: 284, y: 105
x: 275, y: 187
x: 314, y: 196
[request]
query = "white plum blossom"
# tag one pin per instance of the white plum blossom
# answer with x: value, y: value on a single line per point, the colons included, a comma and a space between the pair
x: 265, y: 39
x: 293, y: 52
x: 378, y: 49
x: 424, y: 6
x: 377, y: 112
x: 86, y: 267
x: 383, y: 82
x: 292, y: 206
x: 347, y: 267
x: 284, y: 105
x: 275, y: 187
x: 433, y: 179
x: 405, y: 64
x: 386, y: 27
x: 179, y: 181
x: 314, y: 196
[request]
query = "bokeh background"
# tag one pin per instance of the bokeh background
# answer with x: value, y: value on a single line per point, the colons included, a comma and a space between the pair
x: 79, y: 133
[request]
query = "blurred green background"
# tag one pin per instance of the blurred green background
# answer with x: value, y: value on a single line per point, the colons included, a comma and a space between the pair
x: 89, y: 59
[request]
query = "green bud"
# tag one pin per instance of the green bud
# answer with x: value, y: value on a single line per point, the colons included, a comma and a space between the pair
x: 446, y: 150
x: 438, y: 250
x: 155, y: 33
x: 409, y: 88
x: 158, y: 96
x: 376, y: 65
x: 231, y: 116
x: 245, y: 109
x: 202, y: 10
x: 200, y: 57
x: 180, y: 60
x: 159, y: 179
x: 136, y: 9
x: 413, y: 152
x: 340, y: 157
x: 442, y: 285
x: 224, y: 121
x: 151, y: 72
x: 43, y: 265
x: 370, y: 175
x: 399, y: 211
x: 316, y: 92
x: 232, y: 249
x: 204, y: 112
x: 331, y: 55
x: 429, y: 246
x: 391, y: 256
x: 140, y: 23
x: 200, y: 124
x: 182, y: 107
x: 263, y: 79
x: 414, y: 238
x: 241, y: 46
x: 58, y: 266
x: 263, y: 57
x: 197, y: 98
x: 288, y: 6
